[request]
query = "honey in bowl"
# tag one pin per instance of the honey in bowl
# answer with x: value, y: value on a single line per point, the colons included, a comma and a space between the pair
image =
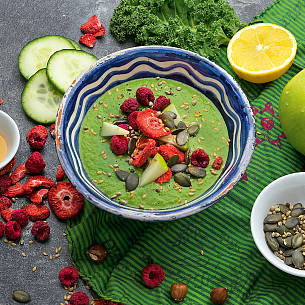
x: 3, y: 147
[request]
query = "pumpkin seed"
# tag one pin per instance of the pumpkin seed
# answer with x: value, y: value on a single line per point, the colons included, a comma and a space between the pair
x: 285, y: 242
x: 288, y: 252
x: 273, y: 218
x: 176, y: 131
x: 168, y: 120
x: 298, y: 259
x: 292, y: 222
x: 132, y: 182
x: 283, y: 208
x: 297, y: 212
x: 182, y: 179
x: 268, y: 227
x: 297, y: 240
x: 21, y: 296
x: 182, y: 138
x: 132, y: 145
x: 122, y: 175
x: 178, y: 168
x: 288, y: 260
x: 173, y: 115
x: 173, y: 160
x: 197, y: 171
x: 297, y: 206
x: 181, y: 125
x: 271, y: 241
x: 193, y: 130
x: 281, y: 229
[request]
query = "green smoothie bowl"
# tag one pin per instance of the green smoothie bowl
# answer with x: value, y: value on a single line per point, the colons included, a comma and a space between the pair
x: 154, y: 133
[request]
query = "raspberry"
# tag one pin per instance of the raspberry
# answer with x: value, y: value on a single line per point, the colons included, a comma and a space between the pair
x: 132, y: 119
x: 88, y: 40
x: 165, y: 177
x: 15, y: 190
x: 119, y: 145
x: 12, y: 230
x: 52, y: 130
x: 144, y: 96
x: 5, y: 183
x: 39, y: 129
x: 124, y: 126
x: 65, y: 201
x: 39, y: 195
x: 60, y: 175
x: 36, y: 141
x: 141, y: 157
x: 7, y: 168
x: 200, y: 158
x: 168, y: 150
x: 68, y: 276
x: 79, y: 298
x: 130, y: 105
x: 37, y: 181
x: 92, y: 26
x: 37, y: 212
x: 217, y: 163
x: 101, y: 302
x: 153, y: 275
x: 161, y: 103
x: 41, y: 230
x: 21, y: 216
x: 19, y: 173
x: 35, y: 164
x: 7, y: 214
x: 5, y: 203
x: 1, y: 229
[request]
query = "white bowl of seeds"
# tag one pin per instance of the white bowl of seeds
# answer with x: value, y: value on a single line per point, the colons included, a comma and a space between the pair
x: 278, y: 223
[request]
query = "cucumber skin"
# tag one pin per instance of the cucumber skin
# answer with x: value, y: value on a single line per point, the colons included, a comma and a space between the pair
x: 75, y: 44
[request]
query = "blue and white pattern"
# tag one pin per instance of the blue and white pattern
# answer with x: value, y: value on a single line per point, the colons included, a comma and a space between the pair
x: 166, y: 62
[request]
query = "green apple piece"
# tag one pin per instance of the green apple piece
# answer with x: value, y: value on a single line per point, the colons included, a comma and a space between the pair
x: 109, y: 130
x: 171, y: 107
x: 292, y: 111
x: 156, y: 168
x: 171, y: 139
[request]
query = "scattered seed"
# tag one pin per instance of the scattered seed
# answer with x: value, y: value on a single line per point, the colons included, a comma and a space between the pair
x: 205, y: 110
x: 141, y: 206
x: 144, y: 196
x: 34, y: 269
x: 178, y: 88
x: 31, y: 242
x: 23, y: 254
x: 51, y: 257
x: 184, y: 116
x: 201, y: 252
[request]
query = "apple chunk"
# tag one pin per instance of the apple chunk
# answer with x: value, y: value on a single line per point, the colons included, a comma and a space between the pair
x: 109, y: 130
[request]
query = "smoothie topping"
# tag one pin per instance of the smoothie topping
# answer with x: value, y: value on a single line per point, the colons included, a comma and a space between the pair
x: 200, y: 158
x: 132, y: 119
x: 161, y: 103
x: 119, y: 145
x: 130, y: 105
x: 145, y: 96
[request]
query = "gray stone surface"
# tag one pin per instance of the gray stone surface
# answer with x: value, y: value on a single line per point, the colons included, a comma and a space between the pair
x: 20, y: 22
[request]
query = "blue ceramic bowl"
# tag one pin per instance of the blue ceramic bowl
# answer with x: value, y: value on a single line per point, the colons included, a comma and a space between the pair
x: 153, y: 61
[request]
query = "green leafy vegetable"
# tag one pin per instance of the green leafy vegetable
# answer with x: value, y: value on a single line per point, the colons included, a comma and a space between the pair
x: 201, y: 26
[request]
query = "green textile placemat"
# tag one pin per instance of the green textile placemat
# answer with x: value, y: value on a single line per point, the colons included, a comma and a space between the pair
x: 230, y: 257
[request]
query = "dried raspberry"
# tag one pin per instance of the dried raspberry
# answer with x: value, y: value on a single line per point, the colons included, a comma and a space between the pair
x: 60, y: 175
x: 88, y: 40
x: 165, y: 177
x: 92, y: 26
x: 38, y: 196
x: 5, y: 203
x: 200, y: 158
x: 5, y: 183
x: 37, y: 212
x: 65, y: 201
x: 35, y: 164
x: 7, y: 168
x: 12, y: 230
x: 124, y: 126
x: 41, y: 230
x: 37, y: 181
x: 19, y: 173
x: 141, y: 157
x: 36, y: 141
x: 130, y: 105
x: 15, y: 190
x: 79, y: 298
x: 132, y: 119
x: 161, y: 103
x: 101, y: 302
x: 100, y: 33
x: 168, y: 150
x: 7, y: 214
x: 68, y: 276
x: 153, y: 275
x: 1, y: 229
x: 52, y: 130
x: 119, y: 145
x: 21, y: 216
x: 144, y: 96
x: 217, y: 163
x: 39, y: 129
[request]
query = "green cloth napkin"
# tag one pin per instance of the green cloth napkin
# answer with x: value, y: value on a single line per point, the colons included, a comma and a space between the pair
x: 230, y: 257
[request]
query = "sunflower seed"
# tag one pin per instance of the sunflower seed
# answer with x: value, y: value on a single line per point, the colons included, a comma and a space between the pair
x: 297, y: 206
x: 291, y: 222
x: 21, y: 296
x: 132, y: 182
x: 178, y: 168
x: 297, y: 212
x: 173, y: 160
x: 193, y: 130
x: 182, y: 179
x: 288, y: 260
x: 197, y: 171
x: 273, y: 218
x: 181, y: 125
x: 122, y: 175
x: 182, y: 138
x: 132, y: 145
x: 297, y: 259
x: 271, y: 241
x: 297, y: 240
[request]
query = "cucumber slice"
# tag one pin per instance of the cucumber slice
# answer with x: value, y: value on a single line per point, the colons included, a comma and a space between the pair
x: 35, y: 55
x: 75, y: 44
x: 39, y: 99
x: 65, y: 65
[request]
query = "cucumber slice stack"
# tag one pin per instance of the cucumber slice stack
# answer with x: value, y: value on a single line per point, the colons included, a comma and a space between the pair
x: 50, y: 64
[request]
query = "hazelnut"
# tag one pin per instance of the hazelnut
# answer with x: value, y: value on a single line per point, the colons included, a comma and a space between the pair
x: 219, y: 295
x: 178, y: 291
x: 97, y: 253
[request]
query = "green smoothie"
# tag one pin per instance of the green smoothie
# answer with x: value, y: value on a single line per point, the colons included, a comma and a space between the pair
x: 100, y: 162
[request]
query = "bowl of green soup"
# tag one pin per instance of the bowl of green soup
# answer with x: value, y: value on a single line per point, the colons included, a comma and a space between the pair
x: 154, y: 133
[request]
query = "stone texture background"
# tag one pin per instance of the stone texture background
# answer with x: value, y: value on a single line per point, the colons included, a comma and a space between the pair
x: 20, y: 22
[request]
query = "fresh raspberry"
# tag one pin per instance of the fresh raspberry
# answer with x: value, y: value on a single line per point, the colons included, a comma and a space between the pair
x: 65, y: 201
x: 119, y: 145
x: 168, y: 150
x: 35, y: 164
x: 92, y: 26
x: 37, y: 212
x: 88, y: 40
x: 132, y: 119
x: 39, y: 129
x: 161, y: 103
x: 52, y: 130
x: 151, y: 125
x: 79, y: 298
x: 8, y: 167
x: 217, y: 163
x: 100, y: 33
x: 200, y: 158
x: 153, y: 275
x: 37, y: 181
x: 19, y: 173
x: 60, y: 175
x: 21, y: 216
x: 15, y: 190
x: 7, y: 214
x: 5, y: 203
x: 38, y: 196
x: 141, y: 157
x: 130, y: 105
x: 144, y: 96
x: 41, y: 230
x: 5, y: 183
x: 68, y: 276
x: 1, y: 229
x: 165, y: 177
x: 12, y: 230
x: 36, y: 141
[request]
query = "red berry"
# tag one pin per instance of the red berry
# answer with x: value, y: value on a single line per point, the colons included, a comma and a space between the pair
x: 60, y: 175
x: 88, y: 40
x: 217, y: 163
x: 144, y: 96
x: 5, y: 203
x: 12, y: 230
x: 68, y: 276
x: 101, y: 302
x: 79, y: 298
x: 132, y: 119
x: 1, y: 229
x: 124, y: 126
x: 153, y: 275
x: 100, y: 33
x: 38, y: 196
x: 21, y: 216
x: 39, y: 129
x: 15, y: 190
x: 5, y: 183
x: 36, y: 141
x: 41, y: 230
x: 92, y: 26
x: 200, y: 158
x: 7, y: 214
x: 130, y: 105
x: 19, y: 173
x: 7, y: 168
x: 65, y: 201
x: 161, y: 103
x: 52, y: 130
x: 37, y: 212
x: 119, y: 145
x: 168, y: 150
x: 141, y: 156
x: 37, y: 181
x: 165, y: 177
x: 35, y: 163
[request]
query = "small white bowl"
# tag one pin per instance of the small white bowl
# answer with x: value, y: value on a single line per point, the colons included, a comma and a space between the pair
x: 290, y: 188
x: 10, y: 131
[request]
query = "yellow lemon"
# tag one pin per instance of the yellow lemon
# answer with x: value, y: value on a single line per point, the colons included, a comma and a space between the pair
x: 261, y: 52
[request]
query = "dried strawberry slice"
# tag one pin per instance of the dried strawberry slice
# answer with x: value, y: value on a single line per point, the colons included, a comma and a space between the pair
x: 1, y: 101
x: 37, y: 212
x: 52, y: 130
x: 168, y: 150
x: 88, y: 40
x: 39, y: 129
x: 15, y: 190
x: 165, y: 177
x: 100, y: 33
x: 19, y: 173
x: 37, y: 181
x: 60, y: 175
x: 7, y: 214
x: 7, y: 168
x: 217, y: 163
x: 92, y: 26
x: 38, y: 196
x: 141, y: 156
